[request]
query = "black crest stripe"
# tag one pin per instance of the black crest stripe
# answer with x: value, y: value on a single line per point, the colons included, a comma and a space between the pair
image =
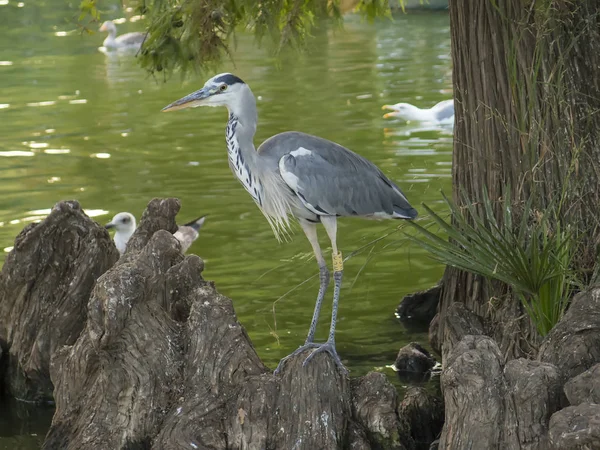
x: 229, y: 79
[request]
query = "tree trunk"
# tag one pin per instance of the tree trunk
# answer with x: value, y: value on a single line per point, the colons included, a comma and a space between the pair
x: 45, y: 284
x: 527, y: 97
x: 154, y: 357
x: 516, y: 405
x: 490, y: 405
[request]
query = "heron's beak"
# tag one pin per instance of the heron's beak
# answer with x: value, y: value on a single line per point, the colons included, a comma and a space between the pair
x: 103, y: 27
x: 192, y: 100
x: 109, y: 225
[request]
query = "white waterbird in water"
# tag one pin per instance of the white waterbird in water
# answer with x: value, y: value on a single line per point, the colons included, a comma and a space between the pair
x: 130, y: 41
x: 303, y: 176
x: 442, y: 113
x: 125, y: 225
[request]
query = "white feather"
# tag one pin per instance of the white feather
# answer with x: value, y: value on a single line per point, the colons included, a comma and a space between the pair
x: 301, y: 152
x: 277, y: 208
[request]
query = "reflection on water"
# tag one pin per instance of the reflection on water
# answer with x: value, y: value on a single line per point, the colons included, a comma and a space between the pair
x: 23, y: 425
x: 78, y: 123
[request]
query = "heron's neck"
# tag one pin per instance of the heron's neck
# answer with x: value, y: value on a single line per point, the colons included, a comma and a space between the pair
x: 243, y: 158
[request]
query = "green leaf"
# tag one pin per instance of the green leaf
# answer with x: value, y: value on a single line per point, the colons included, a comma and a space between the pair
x: 534, y: 259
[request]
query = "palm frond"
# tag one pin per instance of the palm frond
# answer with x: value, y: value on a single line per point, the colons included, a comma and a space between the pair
x: 528, y: 251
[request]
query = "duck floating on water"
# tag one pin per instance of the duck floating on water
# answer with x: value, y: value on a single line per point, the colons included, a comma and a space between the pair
x: 130, y: 41
x: 442, y: 113
x: 125, y: 225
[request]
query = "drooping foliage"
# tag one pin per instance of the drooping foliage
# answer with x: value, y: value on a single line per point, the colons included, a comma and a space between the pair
x: 199, y: 34
x: 526, y: 249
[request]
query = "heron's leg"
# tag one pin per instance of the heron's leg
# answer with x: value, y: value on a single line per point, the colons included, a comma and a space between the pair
x: 310, y: 229
x: 330, y: 224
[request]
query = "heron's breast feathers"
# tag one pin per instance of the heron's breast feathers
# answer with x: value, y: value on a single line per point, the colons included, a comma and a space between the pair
x: 278, y: 204
x: 266, y: 187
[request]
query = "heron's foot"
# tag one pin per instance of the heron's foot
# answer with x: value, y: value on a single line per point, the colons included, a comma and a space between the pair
x: 306, y: 346
x: 328, y: 347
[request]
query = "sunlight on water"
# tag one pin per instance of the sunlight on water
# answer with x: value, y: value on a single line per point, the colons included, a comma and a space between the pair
x: 47, y: 103
x: 34, y: 144
x: 16, y: 153
x: 57, y: 151
x: 80, y: 124
x: 90, y: 212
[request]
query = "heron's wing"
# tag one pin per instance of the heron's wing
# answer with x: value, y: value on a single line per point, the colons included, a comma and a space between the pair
x: 185, y: 235
x: 444, y: 110
x: 331, y: 180
x: 135, y: 38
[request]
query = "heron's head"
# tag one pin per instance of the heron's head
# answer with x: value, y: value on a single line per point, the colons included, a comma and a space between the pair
x: 224, y: 89
x: 108, y: 26
x: 402, y: 110
x: 122, y: 222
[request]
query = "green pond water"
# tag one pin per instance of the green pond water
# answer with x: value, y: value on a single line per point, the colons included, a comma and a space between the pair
x: 76, y: 123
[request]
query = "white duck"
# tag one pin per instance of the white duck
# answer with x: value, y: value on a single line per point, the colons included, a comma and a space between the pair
x: 442, y: 113
x: 131, y: 41
x: 125, y: 225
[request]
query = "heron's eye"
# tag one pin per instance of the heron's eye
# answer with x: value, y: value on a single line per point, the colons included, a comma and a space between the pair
x: 125, y: 219
x: 223, y: 87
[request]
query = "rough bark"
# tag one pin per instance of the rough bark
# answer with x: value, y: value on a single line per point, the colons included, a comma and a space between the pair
x: 473, y: 392
x: 576, y: 428
x: 510, y: 406
x: 425, y: 415
x: 493, y: 405
x: 419, y: 309
x: 414, y: 363
x: 533, y: 392
x: 45, y: 284
x: 158, y: 215
x: 584, y: 387
x: 381, y: 420
x: 163, y: 363
x: 573, y: 345
x: 460, y: 322
x: 433, y: 336
x: 526, y: 97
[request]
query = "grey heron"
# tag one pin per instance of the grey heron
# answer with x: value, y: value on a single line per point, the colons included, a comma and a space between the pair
x: 304, y: 176
x: 125, y: 41
x: 440, y: 113
x: 125, y: 225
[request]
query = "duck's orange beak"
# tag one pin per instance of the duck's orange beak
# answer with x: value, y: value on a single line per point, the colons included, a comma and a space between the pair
x: 394, y: 113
